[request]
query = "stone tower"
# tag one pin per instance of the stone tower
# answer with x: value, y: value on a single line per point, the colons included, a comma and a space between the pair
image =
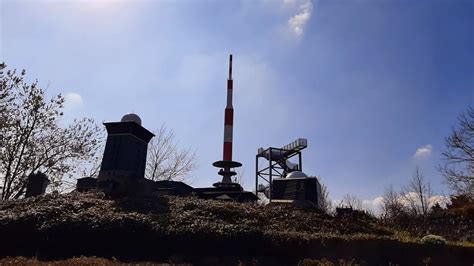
x: 124, y: 160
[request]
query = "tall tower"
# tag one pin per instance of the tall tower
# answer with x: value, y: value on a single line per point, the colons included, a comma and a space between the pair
x: 227, y: 164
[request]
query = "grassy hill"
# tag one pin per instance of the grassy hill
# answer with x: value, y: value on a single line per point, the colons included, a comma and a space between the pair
x: 192, y: 230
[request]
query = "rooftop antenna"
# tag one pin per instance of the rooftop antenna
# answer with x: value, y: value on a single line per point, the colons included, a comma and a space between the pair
x: 230, y: 67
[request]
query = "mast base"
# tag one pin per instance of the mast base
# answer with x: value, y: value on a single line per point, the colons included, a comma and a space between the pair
x: 227, y: 164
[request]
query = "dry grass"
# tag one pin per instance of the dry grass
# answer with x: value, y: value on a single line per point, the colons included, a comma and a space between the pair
x: 92, y: 261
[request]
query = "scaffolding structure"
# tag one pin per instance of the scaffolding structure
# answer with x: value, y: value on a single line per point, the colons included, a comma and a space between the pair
x: 278, y: 165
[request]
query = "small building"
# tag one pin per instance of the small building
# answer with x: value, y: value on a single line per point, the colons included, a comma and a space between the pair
x: 297, y: 187
x: 284, y: 181
x: 171, y: 188
x: 229, y: 193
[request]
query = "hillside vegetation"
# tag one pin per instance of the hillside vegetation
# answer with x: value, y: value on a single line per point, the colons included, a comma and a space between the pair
x: 192, y: 230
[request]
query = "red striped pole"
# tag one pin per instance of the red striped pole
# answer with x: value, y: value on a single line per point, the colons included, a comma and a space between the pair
x: 229, y: 118
x: 227, y: 164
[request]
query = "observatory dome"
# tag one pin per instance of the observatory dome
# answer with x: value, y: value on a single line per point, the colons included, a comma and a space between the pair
x: 131, y: 118
x: 296, y: 174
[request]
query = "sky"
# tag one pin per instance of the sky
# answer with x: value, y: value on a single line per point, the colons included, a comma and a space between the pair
x: 374, y: 85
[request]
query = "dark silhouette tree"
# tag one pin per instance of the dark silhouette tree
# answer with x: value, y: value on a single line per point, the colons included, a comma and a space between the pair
x: 32, y: 139
x: 458, y: 168
x: 326, y: 203
x: 416, y: 194
x: 352, y: 201
x: 392, y: 206
x: 8, y: 81
x: 459, y: 201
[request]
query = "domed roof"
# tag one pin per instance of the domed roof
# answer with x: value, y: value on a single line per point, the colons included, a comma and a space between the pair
x: 296, y: 174
x: 131, y: 118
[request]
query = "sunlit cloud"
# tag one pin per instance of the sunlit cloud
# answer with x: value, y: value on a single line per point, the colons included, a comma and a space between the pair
x: 374, y: 205
x: 298, y: 21
x: 442, y: 200
x: 423, y: 152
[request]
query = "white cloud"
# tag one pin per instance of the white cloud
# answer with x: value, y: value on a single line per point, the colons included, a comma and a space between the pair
x: 73, y: 100
x: 407, y: 198
x: 374, y: 205
x: 423, y: 152
x: 298, y: 21
x: 442, y: 200
x: 414, y: 196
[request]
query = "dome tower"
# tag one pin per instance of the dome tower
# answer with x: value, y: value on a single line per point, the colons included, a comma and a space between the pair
x: 125, y: 151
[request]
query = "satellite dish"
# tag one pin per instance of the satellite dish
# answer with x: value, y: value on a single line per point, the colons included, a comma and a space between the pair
x: 296, y: 174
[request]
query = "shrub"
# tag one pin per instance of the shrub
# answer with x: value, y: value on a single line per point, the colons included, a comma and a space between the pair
x: 433, y: 240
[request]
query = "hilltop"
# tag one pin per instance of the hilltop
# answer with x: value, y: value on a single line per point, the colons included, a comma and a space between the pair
x: 192, y: 230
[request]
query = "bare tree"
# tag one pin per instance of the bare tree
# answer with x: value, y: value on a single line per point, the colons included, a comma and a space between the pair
x: 458, y: 168
x: 88, y: 168
x: 326, y: 203
x: 165, y: 160
x: 33, y: 141
x: 353, y: 202
x: 391, y: 204
x: 416, y: 194
x: 8, y: 82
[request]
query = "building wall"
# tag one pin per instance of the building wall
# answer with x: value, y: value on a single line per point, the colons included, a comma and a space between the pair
x: 297, y: 189
x: 124, y: 155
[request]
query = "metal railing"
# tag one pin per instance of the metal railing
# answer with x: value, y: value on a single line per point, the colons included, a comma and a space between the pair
x: 296, y: 145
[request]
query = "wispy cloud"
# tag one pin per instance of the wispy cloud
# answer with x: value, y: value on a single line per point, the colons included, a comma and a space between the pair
x: 298, y: 21
x: 423, y: 152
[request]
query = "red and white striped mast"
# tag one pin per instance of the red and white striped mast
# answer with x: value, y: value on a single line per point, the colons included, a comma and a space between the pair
x: 227, y: 164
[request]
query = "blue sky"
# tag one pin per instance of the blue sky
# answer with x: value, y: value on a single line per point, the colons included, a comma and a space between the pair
x: 367, y: 82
